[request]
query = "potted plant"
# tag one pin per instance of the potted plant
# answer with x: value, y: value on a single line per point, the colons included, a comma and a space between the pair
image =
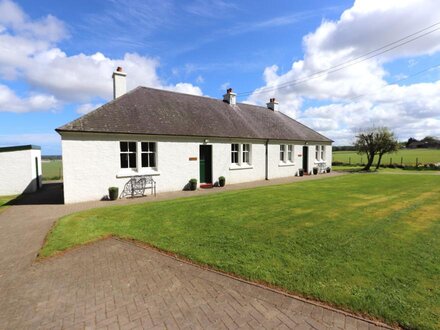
x: 315, y: 170
x: 328, y: 169
x: 193, y: 184
x: 113, y: 193
x: 221, y: 181
x: 300, y: 172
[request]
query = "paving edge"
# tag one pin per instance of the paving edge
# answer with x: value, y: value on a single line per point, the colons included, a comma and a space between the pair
x: 277, y: 290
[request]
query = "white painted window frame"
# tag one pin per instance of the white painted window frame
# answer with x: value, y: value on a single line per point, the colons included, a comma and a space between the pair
x: 282, y: 155
x: 139, y: 170
x: 248, y: 152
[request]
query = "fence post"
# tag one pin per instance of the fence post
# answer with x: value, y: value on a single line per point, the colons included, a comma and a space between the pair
x: 417, y: 161
x: 401, y: 161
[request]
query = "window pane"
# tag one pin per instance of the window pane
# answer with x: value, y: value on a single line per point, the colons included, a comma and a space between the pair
x: 152, y: 146
x: 152, y: 159
x: 132, y: 146
x: 132, y: 160
x: 123, y: 146
x: 144, y: 146
x: 144, y: 158
x: 124, y: 161
x: 290, y: 147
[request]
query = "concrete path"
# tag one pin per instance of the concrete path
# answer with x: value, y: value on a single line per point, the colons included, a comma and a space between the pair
x: 116, y: 284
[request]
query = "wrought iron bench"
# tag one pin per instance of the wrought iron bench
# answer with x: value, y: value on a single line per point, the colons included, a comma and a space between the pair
x: 322, y: 166
x: 136, y: 186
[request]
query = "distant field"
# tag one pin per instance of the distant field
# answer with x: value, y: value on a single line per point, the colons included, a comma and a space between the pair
x: 406, y: 156
x: 52, y: 170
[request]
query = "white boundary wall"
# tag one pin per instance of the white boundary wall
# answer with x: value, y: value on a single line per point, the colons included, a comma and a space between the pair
x: 91, y: 162
x: 18, y: 173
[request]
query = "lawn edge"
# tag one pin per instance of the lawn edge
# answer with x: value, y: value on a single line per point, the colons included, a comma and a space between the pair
x: 260, y: 284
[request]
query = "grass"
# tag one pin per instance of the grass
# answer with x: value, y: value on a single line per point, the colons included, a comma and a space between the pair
x: 409, y: 156
x: 369, y: 243
x: 4, y: 201
x: 52, y: 170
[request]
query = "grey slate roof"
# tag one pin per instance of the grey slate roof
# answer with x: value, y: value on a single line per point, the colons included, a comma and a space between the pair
x: 158, y: 112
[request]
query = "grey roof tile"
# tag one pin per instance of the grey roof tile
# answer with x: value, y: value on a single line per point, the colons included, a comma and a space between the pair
x: 158, y: 112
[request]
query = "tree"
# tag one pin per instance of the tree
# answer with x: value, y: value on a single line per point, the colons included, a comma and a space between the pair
x: 386, y: 143
x: 375, y: 141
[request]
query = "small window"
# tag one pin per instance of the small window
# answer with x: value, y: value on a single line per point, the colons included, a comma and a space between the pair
x: 317, y: 152
x: 128, y: 154
x: 282, y: 152
x: 246, y: 153
x: 234, y: 153
x: 148, y: 154
x: 322, y: 153
x: 290, y: 153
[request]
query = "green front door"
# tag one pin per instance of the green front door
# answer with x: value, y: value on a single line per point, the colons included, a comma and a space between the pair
x: 205, y: 164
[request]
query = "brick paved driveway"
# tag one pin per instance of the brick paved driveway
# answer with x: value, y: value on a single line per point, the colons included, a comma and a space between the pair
x: 115, y: 284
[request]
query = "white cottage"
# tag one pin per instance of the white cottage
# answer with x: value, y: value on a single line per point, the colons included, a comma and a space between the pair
x: 20, y: 169
x: 174, y: 137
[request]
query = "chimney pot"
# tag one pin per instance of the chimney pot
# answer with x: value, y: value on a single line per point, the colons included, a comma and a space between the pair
x: 119, y: 69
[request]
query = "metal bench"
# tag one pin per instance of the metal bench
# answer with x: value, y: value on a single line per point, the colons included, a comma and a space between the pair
x: 322, y: 166
x: 137, y: 185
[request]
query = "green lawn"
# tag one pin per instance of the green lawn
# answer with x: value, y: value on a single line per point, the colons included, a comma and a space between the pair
x: 409, y: 156
x: 369, y: 243
x: 52, y: 170
x: 3, y: 201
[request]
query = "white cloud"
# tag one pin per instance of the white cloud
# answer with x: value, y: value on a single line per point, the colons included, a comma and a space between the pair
x: 10, y: 102
x: 360, y: 95
x: 29, y: 52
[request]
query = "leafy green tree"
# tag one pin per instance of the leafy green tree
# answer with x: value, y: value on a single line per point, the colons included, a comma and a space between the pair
x: 374, y: 141
x: 386, y: 143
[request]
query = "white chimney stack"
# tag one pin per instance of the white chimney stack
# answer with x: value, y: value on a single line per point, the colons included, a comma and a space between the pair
x: 119, y: 83
x: 230, y: 97
x: 273, y: 104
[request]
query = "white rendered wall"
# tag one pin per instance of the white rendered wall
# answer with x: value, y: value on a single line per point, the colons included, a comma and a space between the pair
x: 91, y: 163
x: 17, y: 171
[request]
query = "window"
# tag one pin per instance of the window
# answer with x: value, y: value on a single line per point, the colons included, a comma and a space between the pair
x: 234, y: 153
x: 148, y: 154
x: 322, y: 152
x: 282, y: 152
x: 246, y: 153
x: 317, y: 152
x: 128, y: 154
x: 290, y: 153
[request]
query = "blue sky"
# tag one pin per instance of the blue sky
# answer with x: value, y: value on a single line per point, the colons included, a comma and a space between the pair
x: 56, y: 60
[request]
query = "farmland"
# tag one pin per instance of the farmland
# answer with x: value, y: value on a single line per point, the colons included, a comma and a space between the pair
x: 404, y: 156
x: 52, y: 170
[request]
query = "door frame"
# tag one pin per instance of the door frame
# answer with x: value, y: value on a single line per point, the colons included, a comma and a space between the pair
x: 208, y: 165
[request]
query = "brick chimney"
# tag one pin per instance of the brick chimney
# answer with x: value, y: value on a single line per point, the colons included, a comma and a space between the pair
x: 230, y: 97
x: 119, y: 82
x: 273, y: 104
